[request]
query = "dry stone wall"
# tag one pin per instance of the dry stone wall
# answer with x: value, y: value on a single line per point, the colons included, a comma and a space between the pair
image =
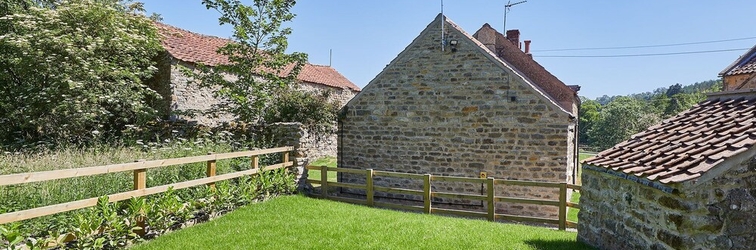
x: 718, y: 214
x: 456, y: 113
x: 308, y: 147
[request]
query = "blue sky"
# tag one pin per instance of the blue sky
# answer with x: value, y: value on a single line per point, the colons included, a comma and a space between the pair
x: 365, y: 35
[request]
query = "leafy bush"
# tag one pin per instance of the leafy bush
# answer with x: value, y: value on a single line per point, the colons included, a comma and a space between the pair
x: 314, y: 110
x: 72, y: 72
x: 118, y: 224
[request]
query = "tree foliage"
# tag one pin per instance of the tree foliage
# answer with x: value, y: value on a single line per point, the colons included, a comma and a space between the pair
x: 314, y: 110
x: 589, y: 113
x: 257, y: 64
x: 73, y: 70
x: 619, y: 120
x: 611, y: 119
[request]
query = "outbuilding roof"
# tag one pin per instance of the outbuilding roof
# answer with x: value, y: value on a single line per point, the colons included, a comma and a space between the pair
x: 193, y: 47
x: 689, y: 144
x: 745, y: 64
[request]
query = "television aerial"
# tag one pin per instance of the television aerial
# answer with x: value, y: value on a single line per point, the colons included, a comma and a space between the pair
x: 506, y: 9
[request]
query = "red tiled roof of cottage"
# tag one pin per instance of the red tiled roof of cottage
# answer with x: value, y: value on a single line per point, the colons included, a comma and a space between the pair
x: 746, y: 64
x: 685, y: 146
x: 192, y: 47
x: 555, y: 88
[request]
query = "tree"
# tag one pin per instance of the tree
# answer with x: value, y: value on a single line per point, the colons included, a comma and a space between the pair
x: 674, y: 89
x: 589, y: 114
x: 619, y: 120
x: 257, y: 65
x: 73, y: 70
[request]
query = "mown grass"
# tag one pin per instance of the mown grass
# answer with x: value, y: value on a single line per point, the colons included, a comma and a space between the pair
x: 328, y: 161
x: 297, y: 222
x: 572, y: 213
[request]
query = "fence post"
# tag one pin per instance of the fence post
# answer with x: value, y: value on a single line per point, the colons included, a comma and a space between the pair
x: 427, y: 194
x: 562, y: 206
x: 491, y: 197
x: 285, y: 157
x: 140, y: 178
x: 324, y: 181
x: 255, y: 161
x: 211, y: 167
x: 369, y: 188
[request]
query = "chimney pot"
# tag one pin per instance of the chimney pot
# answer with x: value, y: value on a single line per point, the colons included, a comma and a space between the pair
x: 527, y: 46
x: 514, y: 37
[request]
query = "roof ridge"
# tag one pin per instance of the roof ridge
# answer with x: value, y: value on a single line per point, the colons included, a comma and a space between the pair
x: 192, y: 47
x: 189, y: 31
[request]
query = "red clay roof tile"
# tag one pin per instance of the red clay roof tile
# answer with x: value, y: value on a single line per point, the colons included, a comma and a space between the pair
x: 192, y: 47
x: 684, y: 147
x: 554, y: 88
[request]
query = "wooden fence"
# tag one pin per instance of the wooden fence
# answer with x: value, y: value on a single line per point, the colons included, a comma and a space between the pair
x: 427, y: 194
x: 140, y: 179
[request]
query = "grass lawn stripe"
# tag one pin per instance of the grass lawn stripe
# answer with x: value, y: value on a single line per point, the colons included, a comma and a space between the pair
x: 297, y: 222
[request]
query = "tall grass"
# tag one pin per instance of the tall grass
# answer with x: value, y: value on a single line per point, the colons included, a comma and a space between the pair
x: 38, y: 194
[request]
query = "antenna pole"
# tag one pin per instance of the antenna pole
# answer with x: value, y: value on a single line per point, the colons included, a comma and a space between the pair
x: 506, y: 9
x: 443, y: 39
x: 330, y: 57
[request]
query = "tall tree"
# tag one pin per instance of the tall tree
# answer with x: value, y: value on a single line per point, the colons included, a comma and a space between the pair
x: 73, y: 70
x: 619, y: 120
x: 257, y: 65
x: 589, y: 114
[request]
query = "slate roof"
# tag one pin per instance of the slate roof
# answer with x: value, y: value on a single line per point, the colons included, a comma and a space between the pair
x: 688, y: 145
x: 745, y: 64
x: 541, y: 77
x: 192, y: 47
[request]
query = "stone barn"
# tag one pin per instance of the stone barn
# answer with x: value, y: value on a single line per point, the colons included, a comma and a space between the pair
x: 479, y: 104
x: 186, y: 48
x: 687, y: 183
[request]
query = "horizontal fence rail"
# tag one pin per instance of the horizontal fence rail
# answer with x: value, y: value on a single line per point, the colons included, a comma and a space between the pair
x: 489, y: 197
x: 140, y: 177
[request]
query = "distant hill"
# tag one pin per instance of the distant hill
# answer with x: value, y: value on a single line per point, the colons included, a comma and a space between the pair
x: 698, y: 87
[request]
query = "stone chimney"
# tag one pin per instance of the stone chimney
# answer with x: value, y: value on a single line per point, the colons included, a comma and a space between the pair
x: 527, y: 47
x: 514, y: 37
x: 487, y: 36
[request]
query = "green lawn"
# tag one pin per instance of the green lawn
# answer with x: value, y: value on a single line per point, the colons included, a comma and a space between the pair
x: 326, y: 161
x: 297, y: 222
x: 572, y: 213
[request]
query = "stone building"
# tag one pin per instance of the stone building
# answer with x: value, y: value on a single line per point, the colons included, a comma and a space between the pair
x: 741, y: 74
x: 186, y: 48
x: 479, y: 104
x: 687, y: 183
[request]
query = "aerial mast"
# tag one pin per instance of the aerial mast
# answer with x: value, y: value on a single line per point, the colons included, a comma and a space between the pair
x: 506, y: 9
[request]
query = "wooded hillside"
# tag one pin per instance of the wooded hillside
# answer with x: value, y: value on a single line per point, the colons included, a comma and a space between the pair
x: 608, y: 120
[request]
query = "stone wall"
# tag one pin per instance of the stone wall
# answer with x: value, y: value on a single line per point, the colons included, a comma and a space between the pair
x: 187, y: 96
x: 339, y: 95
x: 716, y: 214
x: 456, y: 113
x: 308, y: 146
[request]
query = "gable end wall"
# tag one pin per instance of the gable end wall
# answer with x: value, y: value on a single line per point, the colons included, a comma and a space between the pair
x: 449, y: 113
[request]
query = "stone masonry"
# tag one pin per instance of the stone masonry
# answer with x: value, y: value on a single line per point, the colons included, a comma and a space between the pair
x: 457, y: 113
x: 307, y: 146
x: 717, y: 214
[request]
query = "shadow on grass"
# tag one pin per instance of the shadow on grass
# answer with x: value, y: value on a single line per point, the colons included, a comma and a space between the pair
x: 557, y: 244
